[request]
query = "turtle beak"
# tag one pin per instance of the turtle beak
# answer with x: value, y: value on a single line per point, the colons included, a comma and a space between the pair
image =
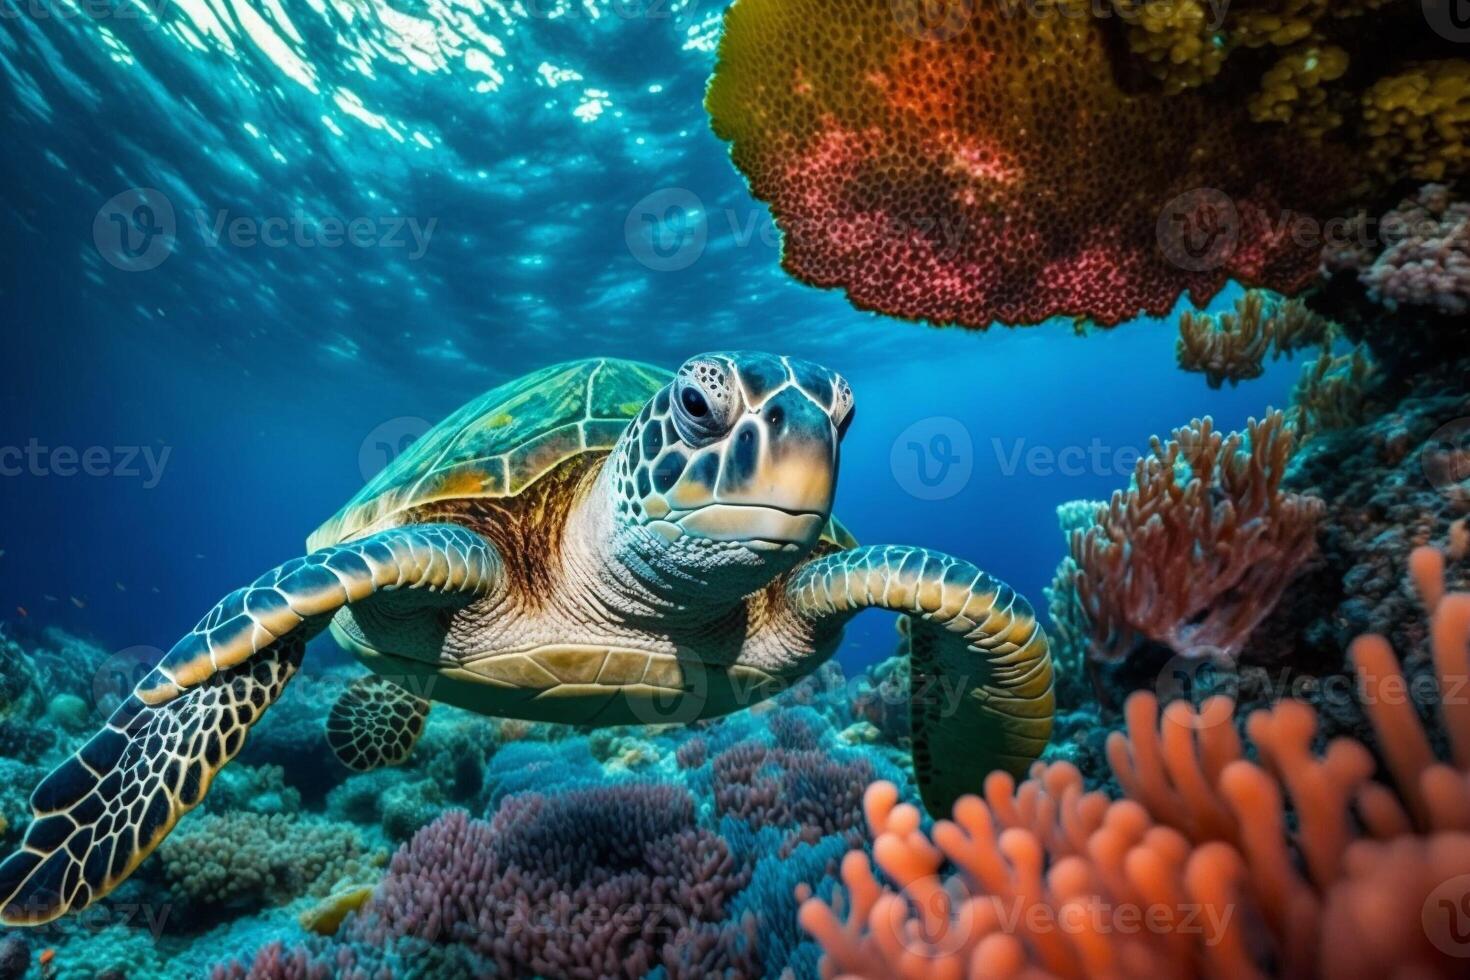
x: 775, y: 482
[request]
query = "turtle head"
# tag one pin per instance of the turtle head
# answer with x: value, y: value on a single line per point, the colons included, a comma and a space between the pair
x: 734, y: 463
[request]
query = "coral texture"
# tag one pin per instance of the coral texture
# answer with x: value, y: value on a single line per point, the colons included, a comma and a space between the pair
x: 1334, y: 392
x: 1198, y: 550
x: 1233, y: 346
x: 1424, y: 253
x: 1198, y: 872
x: 1415, y: 121
x: 989, y: 167
x: 607, y: 881
x: 248, y: 859
x: 594, y: 863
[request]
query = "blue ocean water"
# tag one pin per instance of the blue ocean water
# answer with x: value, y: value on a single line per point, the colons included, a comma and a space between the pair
x: 531, y: 183
x: 252, y: 249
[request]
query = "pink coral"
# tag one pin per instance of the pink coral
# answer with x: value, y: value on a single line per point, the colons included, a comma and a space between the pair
x: 1425, y: 253
x: 1198, y: 872
x: 1196, y: 553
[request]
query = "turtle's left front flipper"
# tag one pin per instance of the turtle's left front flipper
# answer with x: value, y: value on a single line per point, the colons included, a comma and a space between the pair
x: 979, y: 663
x: 101, y: 812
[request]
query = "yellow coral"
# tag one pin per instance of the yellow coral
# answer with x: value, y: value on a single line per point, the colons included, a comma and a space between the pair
x: 1294, y: 89
x: 1278, y: 27
x: 1412, y: 122
x: 1178, y: 41
x: 1416, y: 121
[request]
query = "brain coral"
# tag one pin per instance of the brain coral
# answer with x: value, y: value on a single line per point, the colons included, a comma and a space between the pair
x: 990, y: 167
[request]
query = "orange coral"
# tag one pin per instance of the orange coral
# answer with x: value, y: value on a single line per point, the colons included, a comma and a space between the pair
x: 989, y: 167
x: 1198, y: 872
x: 1198, y: 550
x: 1233, y: 346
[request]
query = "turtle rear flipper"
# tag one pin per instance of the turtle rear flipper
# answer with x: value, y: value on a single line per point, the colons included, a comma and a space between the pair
x: 102, y: 811
x: 375, y: 723
x: 979, y: 664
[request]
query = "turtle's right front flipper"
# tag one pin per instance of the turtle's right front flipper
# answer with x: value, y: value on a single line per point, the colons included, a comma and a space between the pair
x: 980, y: 668
x: 101, y: 812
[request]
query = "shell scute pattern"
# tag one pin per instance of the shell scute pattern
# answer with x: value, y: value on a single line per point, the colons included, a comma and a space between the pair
x: 503, y: 441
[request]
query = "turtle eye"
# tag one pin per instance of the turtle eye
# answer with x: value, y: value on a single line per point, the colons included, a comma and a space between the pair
x: 694, y: 403
x: 846, y: 423
x: 705, y: 401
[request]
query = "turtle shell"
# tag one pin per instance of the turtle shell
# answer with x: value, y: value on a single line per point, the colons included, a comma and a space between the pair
x: 507, y: 439
x: 503, y: 442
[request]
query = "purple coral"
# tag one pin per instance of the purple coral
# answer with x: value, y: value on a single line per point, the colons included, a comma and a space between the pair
x: 805, y: 790
x: 606, y: 881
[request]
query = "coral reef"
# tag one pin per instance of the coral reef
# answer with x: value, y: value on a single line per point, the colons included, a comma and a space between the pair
x: 616, y: 876
x: 1422, y: 254
x: 916, y: 163
x: 1386, y: 495
x: 1334, y: 392
x: 1298, y: 864
x: 1414, y: 121
x: 1233, y: 346
x: 1196, y: 553
x: 240, y: 860
x: 671, y: 851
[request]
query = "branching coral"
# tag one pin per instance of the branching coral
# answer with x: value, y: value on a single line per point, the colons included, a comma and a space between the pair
x: 1197, y: 551
x: 1333, y: 392
x: 1201, y: 871
x: 994, y: 169
x: 1233, y: 346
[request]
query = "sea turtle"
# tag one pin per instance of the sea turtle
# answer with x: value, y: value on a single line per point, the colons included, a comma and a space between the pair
x: 599, y: 543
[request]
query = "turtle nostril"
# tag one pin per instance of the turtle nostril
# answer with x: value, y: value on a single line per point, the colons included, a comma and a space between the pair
x: 775, y: 417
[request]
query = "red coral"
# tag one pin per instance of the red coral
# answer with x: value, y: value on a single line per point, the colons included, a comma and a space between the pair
x: 1196, y: 873
x: 997, y: 171
x: 1197, y: 552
